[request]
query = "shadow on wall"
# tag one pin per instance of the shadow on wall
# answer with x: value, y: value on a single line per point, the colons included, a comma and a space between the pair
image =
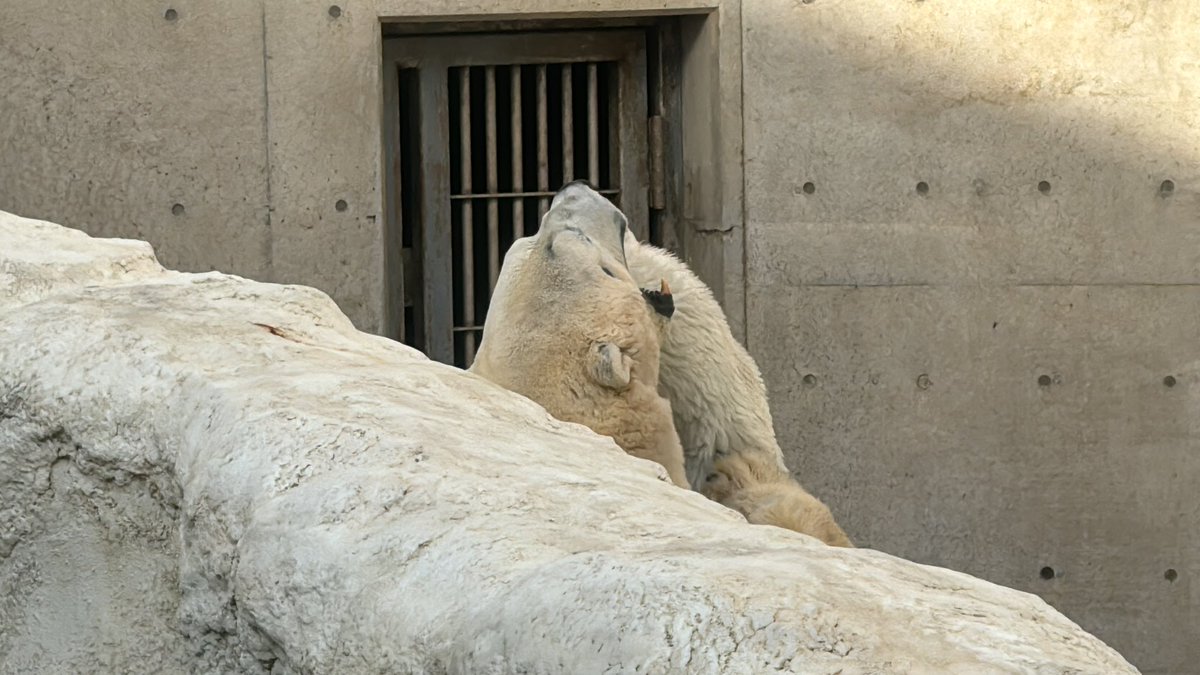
x: 973, y: 245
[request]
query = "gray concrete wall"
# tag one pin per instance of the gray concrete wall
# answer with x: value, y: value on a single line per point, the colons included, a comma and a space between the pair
x: 111, y: 115
x: 257, y: 118
x: 902, y: 335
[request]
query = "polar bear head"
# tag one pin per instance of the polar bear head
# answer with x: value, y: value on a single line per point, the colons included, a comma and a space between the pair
x: 580, y: 210
x: 582, y: 234
x: 568, y: 328
x: 568, y: 281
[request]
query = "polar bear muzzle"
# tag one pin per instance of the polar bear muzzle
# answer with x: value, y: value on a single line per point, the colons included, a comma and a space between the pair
x: 580, y: 209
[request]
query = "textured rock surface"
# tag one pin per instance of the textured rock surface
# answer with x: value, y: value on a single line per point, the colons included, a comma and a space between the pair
x: 201, y: 473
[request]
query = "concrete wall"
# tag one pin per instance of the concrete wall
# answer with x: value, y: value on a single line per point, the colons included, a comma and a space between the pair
x: 926, y: 321
x: 224, y: 132
x: 902, y: 334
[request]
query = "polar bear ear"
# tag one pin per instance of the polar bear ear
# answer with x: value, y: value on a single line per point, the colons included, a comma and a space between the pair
x: 609, y: 365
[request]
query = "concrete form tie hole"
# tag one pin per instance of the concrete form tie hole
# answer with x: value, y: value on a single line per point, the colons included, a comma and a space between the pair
x: 1169, y: 381
x: 808, y: 188
x: 1047, y: 573
x: 177, y: 210
x: 335, y: 11
x: 170, y: 15
x: 922, y: 188
x: 1166, y: 188
x: 1045, y: 380
x: 341, y: 205
x: 1044, y: 187
x: 1171, y: 575
x: 809, y: 380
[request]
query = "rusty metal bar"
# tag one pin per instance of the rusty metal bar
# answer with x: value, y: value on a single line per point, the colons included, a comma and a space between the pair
x: 493, y: 205
x: 530, y: 193
x: 518, y: 179
x: 543, y: 132
x: 657, y: 171
x: 543, y: 140
x: 568, y: 130
x: 468, y: 221
x: 593, y: 150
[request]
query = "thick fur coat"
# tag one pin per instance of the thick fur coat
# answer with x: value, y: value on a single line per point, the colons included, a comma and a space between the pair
x: 568, y: 328
x: 717, y: 395
x: 767, y: 496
x: 719, y: 404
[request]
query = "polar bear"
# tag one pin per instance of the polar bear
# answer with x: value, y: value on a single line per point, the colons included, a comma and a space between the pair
x: 568, y: 328
x: 719, y: 403
x: 756, y: 488
x: 717, y: 395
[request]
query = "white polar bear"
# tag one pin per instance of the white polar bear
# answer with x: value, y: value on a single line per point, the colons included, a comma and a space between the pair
x: 719, y: 404
x: 568, y: 328
x: 766, y: 496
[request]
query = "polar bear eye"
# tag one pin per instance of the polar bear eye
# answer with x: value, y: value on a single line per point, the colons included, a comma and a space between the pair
x: 608, y: 271
x: 712, y: 477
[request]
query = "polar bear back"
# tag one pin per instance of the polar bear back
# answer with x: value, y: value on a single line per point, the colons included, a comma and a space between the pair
x: 717, y: 395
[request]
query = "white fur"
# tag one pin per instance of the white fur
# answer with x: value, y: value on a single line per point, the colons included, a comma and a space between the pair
x: 568, y: 328
x: 719, y: 405
x: 717, y: 395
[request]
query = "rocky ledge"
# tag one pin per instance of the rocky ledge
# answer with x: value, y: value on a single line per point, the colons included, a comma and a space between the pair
x: 202, y: 473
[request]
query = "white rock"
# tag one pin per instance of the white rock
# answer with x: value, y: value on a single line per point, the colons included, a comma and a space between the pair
x: 38, y: 257
x: 200, y: 473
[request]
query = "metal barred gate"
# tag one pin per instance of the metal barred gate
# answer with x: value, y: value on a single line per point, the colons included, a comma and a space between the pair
x: 486, y: 129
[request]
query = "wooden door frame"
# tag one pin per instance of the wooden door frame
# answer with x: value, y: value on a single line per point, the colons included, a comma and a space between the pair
x: 432, y: 57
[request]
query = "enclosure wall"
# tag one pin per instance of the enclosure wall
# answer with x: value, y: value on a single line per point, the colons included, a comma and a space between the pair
x: 973, y: 291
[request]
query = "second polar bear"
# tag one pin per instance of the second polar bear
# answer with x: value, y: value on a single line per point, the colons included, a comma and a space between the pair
x: 568, y: 328
x: 719, y: 404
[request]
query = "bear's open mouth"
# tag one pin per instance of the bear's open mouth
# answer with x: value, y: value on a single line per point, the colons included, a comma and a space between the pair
x: 660, y: 301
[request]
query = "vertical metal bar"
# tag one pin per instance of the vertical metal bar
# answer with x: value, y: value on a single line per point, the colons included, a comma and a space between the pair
x: 612, y: 104
x: 468, y: 221
x: 631, y: 140
x: 654, y: 137
x: 493, y: 205
x: 435, y: 212
x: 543, y: 140
x: 518, y: 204
x: 393, y: 266
x: 593, y: 150
x: 568, y: 130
